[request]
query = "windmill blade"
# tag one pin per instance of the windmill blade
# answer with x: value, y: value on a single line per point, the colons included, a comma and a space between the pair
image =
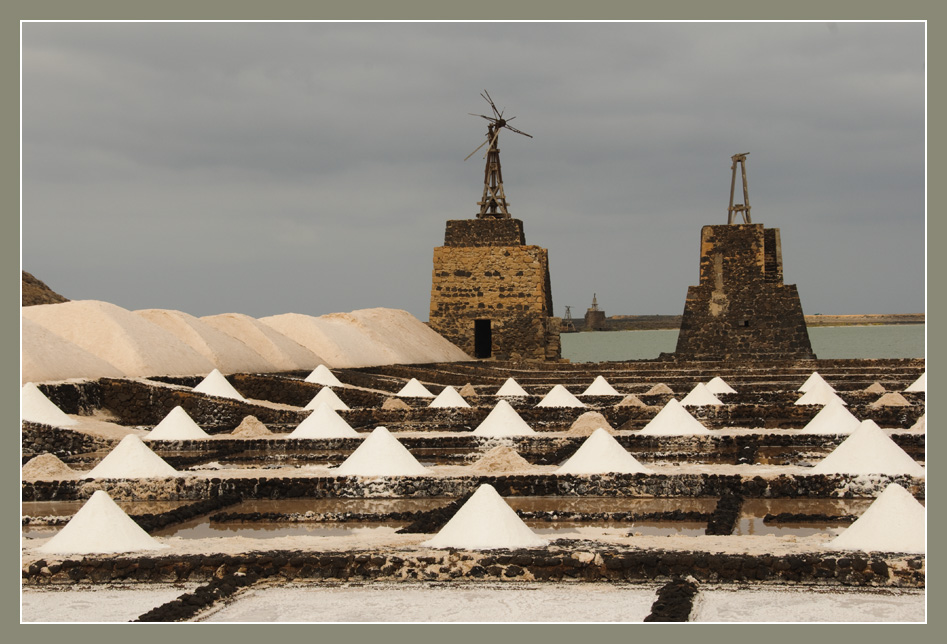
x: 518, y: 131
x: 489, y: 118
x: 489, y: 100
x: 475, y: 151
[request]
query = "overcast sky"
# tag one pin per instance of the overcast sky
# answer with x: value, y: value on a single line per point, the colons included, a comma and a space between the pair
x: 310, y: 167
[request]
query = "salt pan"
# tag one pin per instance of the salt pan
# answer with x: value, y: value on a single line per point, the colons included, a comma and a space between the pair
x: 214, y: 384
x: 449, y: 398
x: 600, y: 387
x: 177, y: 425
x: 601, y: 453
x: 503, y: 421
x: 511, y: 388
x: 329, y: 397
x: 834, y: 418
x: 700, y: 396
x: 131, y: 459
x: 414, y: 389
x: 894, y: 522
x: 381, y: 454
x: 868, y: 451
x: 323, y: 422
x: 35, y: 407
x: 559, y: 396
x: 673, y: 420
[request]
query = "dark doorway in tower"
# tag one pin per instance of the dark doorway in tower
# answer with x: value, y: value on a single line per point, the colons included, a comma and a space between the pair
x: 483, y: 339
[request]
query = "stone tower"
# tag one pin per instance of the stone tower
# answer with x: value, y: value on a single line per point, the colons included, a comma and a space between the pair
x: 594, y: 317
x: 741, y: 308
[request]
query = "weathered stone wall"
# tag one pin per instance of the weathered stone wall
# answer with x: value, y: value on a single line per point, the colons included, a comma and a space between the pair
x: 595, y: 320
x: 485, y: 272
x: 741, y: 309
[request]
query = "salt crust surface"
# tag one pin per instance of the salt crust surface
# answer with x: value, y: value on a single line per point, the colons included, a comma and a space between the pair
x: 600, y: 387
x: 673, y: 420
x: 381, y: 454
x: 323, y: 422
x: 503, y: 421
x: 894, y: 522
x: 131, y: 459
x: 214, y: 384
x: 47, y: 357
x: 37, y: 408
x: 601, y: 453
x: 177, y: 425
x: 226, y: 352
x: 449, y: 398
x: 327, y: 397
x: 97, y: 603
x: 511, y: 388
x: 834, y: 418
x: 559, y: 396
x: 868, y: 451
x: 283, y: 352
x: 700, y: 396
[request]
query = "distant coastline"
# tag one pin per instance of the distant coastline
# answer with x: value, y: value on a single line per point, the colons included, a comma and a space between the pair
x: 654, y: 322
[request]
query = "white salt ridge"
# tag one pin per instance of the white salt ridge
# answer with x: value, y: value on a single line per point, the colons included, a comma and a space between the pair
x: 919, y: 385
x: 177, y: 425
x: 511, y: 388
x: 323, y: 422
x: 868, y: 451
x: 601, y: 453
x: 330, y: 398
x: 673, y: 420
x: 321, y: 375
x: 227, y: 353
x: 284, y: 353
x: 814, y: 380
x: 414, y: 389
x: 135, y: 346
x: 819, y: 394
x: 381, y: 454
x: 35, y: 407
x: 46, y: 357
x: 100, y: 527
x: 891, y: 399
x: 559, y: 396
x: 131, y: 459
x: 449, y: 398
x: 834, y: 418
x: 894, y: 522
x: 600, y: 387
x: 503, y: 421
x: 700, y: 396
x: 718, y: 386
x: 214, y: 384
x: 485, y: 522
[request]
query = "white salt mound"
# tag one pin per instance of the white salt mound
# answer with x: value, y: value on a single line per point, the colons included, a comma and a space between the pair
x: 35, y: 407
x: 718, y: 386
x: 135, y: 346
x: 894, y: 522
x: 700, y: 396
x: 468, y: 391
x: 659, y: 388
x: 511, y: 388
x: 868, y: 451
x: 485, y: 522
x: 601, y: 453
x: 321, y: 375
x: 892, y: 399
x: 251, y: 427
x: 395, y: 403
x: 227, y: 353
x: 100, y: 527
x: 282, y: 352
x: 47, y: 467
x: 412, y: 341
x: 673, y: 420
x: 819, y: 394
x: 381, y: 454
x: 590, y: 421
x: 631, y: 400
x: 449, y: 398
x: 834, y: 418
x: 414, y: 389
x: 874, y: 388
x: 323, y: 422
x: 503, y: 421
x: 600, y: 387
x: 502, y: 458
x: 919, y: 385
x: 329, y: 397
x: 814, y: 380
x: 131, y: 459
x: 177, y: 425
x: 559, y: 396
x: 46, y: 357
x: 920, y: 425
x: 214, y: 384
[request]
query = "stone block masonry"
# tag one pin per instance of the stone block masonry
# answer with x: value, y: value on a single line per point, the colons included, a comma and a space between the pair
x: 491, y: 293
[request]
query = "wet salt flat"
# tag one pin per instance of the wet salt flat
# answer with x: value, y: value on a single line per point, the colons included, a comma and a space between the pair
x: 809, y: 605
x: 77, y: 604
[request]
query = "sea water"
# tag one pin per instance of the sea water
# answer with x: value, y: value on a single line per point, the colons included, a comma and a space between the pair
x: 871, y: 341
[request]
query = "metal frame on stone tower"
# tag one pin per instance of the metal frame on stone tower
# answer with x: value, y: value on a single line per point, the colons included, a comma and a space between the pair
x: 744, y: 207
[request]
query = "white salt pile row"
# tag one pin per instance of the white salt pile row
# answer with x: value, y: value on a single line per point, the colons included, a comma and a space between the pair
x: 92, y: 339
x: 35, y: 407
x: 485, y: 522
x: 869, y: 451
x: 673, y: 420
x: 559, y: 396
x: 381, y: 454
x: 894, y: 522
x: 599, y: 454
x: 503, y: 421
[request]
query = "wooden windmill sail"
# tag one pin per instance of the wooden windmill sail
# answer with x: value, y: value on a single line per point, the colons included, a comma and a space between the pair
x: 493, y: 204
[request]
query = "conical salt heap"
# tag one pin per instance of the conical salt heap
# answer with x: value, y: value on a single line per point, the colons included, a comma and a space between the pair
x: 322, y: 376
x: 177, y: 425
x: 381, y: 454
x: 511, y: 388
x: 468, y: 391
x: 700, y: 396
x: 559, y: 396
x: 502, y: 458
x: 503, y: 421
x: 449, y: 398
x: 819, y: 394
x: 631, y: 400
x: 214, y: 384
x: 46, y: 467
x: 131, y: 459
x: 100, y: 527
x: 874, y: 388
x: 673, y: 420
x: 414, y: 389
x: 323, y: 422
x: 814, y: 380
x: 251, y: 427
x: 395, y: 403
x: 659, y: 388
x: 919, y: 385
x: 588, y: 422
x: 485, y: 522
x: 718, y: 386
x: 891, y: 399
x: 329, y: 397
x: 920, y: 425
x: 834, y: 418
x: 35, y: 407
x: 868, y: 451
x: 894, y: 522
x: 601, y: 453
x: 600, y: 387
